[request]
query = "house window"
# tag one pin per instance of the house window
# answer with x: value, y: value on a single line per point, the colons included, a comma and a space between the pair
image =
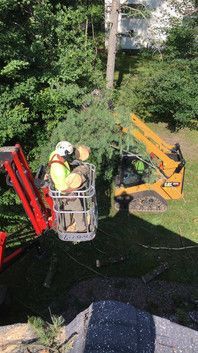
x: 128, y: 34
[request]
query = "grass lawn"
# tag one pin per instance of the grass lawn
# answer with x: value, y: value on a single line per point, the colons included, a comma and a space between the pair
x: 118, y: 234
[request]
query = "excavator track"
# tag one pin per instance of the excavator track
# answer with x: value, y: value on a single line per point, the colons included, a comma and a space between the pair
x: 147, y: 201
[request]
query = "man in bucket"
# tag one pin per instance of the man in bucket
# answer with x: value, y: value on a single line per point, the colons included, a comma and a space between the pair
x: 68, y: 175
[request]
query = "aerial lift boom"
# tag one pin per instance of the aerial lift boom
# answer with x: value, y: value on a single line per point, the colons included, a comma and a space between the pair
x: 21, y: 178
x: 43, y: 205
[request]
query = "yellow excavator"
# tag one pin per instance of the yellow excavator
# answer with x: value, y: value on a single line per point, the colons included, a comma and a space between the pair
x: 133, y: 189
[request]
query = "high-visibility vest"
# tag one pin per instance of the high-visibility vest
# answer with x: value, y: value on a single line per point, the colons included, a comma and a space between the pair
x: 59, y: 171
x: 139, y: 166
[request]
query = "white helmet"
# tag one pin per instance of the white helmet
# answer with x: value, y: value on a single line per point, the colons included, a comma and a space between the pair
x: 64, y: 147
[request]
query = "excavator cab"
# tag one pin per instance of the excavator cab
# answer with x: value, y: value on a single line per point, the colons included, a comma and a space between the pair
x: 128, y: 175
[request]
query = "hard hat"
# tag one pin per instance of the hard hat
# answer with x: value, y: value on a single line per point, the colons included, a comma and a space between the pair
x: 64, y: 147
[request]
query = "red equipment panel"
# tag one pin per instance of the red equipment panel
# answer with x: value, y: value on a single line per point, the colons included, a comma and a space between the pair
x: 2, y: 247
x: 16, y: 166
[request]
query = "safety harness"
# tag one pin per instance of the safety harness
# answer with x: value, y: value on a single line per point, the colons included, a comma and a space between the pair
x: 59, y: 160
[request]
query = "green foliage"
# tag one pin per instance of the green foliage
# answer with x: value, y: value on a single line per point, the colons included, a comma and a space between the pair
x: 16, y: 115
x: 53, y: 102
x: 164, y: 91
x: 182, y: 40
x: 46, y: 332
x: 95, y: 126
x: 48, y: 64
x: 11, y: 211
x: 77, y: 57
x: 49, y: 334
x: 12, y: 68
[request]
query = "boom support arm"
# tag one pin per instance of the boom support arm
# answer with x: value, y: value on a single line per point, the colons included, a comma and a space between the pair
x: 13, y: 161
x: 154, y: 144
x: 149, y: 134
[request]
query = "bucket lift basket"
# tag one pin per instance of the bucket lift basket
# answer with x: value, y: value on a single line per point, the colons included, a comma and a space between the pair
x: 85, y: 208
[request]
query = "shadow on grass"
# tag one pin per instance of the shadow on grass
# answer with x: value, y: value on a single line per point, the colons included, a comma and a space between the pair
x: 126, y: 63
x: 146, y: 246
x: 122, y: 234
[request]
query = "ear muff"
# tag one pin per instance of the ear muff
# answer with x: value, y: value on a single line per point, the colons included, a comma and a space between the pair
x: 66, y: 154
x: 69, y: 157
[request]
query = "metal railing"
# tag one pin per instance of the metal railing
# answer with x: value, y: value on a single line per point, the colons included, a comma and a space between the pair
x: 76, y: 211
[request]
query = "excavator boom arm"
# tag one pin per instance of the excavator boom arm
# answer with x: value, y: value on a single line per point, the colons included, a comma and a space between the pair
x: 154, y: 144
x: 150, y: 135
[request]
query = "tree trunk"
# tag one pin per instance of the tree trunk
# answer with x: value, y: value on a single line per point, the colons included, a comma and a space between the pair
x: 112, y: 43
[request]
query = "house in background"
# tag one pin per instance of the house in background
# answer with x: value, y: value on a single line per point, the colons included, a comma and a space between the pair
x: 144, y: 23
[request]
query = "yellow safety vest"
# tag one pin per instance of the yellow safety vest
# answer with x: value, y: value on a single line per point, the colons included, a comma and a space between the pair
x: 59, y: 171
x: 139, y: 167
